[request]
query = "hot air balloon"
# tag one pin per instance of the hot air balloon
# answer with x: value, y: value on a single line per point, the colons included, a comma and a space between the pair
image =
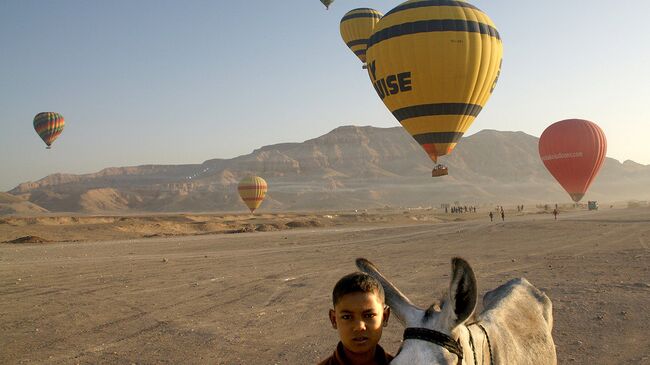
x: 573, y: 151
x: 49, y: 126
x: 252, y: 190
x: 356, y: 27
x: 434, y: 64
x: 327, y: 3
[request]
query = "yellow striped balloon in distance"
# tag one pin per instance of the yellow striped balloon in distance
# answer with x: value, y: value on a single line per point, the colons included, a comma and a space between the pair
x: 434, y: 63
x: 356, y: 27
x: 252, y: 190
x: 49, y: 126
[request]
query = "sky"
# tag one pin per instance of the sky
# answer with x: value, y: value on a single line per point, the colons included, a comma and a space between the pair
x: 175, y: 82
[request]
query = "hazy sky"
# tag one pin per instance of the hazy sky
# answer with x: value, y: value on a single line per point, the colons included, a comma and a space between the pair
x: 170, y: 82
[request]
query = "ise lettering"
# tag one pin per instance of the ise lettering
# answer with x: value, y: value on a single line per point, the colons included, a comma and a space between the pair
x: 391, y: 84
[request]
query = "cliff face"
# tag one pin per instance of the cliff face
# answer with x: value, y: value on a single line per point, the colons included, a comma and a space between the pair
x: 349, y: 167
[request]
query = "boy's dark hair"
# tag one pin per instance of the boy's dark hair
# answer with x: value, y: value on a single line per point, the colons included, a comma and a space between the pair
x: 357, y: 282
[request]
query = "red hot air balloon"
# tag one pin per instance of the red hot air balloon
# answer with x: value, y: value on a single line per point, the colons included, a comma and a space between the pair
x: 573, y: 150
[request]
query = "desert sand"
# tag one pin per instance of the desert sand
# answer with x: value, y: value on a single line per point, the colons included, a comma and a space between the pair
x: 176, y: 289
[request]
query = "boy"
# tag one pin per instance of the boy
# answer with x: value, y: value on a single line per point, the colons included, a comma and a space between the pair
x: 359, y: 316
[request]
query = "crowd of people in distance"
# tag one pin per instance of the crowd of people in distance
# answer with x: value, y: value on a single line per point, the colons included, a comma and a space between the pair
x: 459, y: 209
x: 495, y: 213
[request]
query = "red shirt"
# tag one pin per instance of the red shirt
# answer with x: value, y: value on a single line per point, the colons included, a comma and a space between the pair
x: 338, y: 358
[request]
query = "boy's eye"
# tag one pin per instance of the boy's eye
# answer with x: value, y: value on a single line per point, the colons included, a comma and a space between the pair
x: 370, y: 315
x: 346, y: 316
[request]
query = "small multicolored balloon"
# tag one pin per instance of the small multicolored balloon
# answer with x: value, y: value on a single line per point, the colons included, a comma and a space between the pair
x: 49, y: 126
x: 327, y: 3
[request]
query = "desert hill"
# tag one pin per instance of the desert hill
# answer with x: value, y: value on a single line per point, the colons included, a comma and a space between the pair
x: 349, y: 167
x: 10, y: 204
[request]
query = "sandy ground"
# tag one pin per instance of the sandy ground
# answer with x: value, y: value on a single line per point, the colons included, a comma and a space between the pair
x: 262, y: 297
x: 64, y: 228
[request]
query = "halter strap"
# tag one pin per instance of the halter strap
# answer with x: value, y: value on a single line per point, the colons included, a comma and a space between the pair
x: 471, y: 344
x: 445, y: 341
x: 488, y: 341
x: 436, y: 337
x: 471, y: 341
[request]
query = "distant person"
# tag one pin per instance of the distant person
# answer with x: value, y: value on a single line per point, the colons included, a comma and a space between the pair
x: 491, y: 216
x: 555, y: 213
x: 446, y: 210
x: 503, y: 216
x: 359, y: 316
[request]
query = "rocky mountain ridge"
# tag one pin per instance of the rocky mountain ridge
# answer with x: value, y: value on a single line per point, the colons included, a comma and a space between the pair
x: 349, y: 167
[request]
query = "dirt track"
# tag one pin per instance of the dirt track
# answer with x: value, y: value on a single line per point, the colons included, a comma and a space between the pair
x: 262, y: 298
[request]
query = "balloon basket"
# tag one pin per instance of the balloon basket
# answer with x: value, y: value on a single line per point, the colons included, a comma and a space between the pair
x: 439, y: 170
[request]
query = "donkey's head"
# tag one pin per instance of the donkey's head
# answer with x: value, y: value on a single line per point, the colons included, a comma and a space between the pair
x: 432, y: 335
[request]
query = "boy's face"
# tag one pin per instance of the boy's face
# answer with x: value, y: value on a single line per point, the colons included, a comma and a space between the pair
x: 359, y: 318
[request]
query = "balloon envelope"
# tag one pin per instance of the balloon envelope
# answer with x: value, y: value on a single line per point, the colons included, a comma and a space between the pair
x: 327, y: 3
x: 434, y: 64
x: 356, y: 27
x: 49, y: 126
x: 573, y: 151
x: 252, y: 190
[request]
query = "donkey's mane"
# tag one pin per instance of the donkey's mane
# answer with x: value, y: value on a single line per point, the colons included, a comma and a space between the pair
x: 433, y: 308
x: 437, y: 305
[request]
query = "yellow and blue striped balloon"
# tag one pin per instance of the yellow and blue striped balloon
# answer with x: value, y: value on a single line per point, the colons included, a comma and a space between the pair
x: 356, y: 27
x: 434, y: 64
x: 49, y: 126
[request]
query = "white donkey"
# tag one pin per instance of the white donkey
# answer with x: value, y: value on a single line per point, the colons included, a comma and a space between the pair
x: 513, y: 329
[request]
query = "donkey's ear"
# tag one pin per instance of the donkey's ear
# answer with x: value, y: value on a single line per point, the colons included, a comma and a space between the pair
x: 405, y: 311
x: 462, y: 290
